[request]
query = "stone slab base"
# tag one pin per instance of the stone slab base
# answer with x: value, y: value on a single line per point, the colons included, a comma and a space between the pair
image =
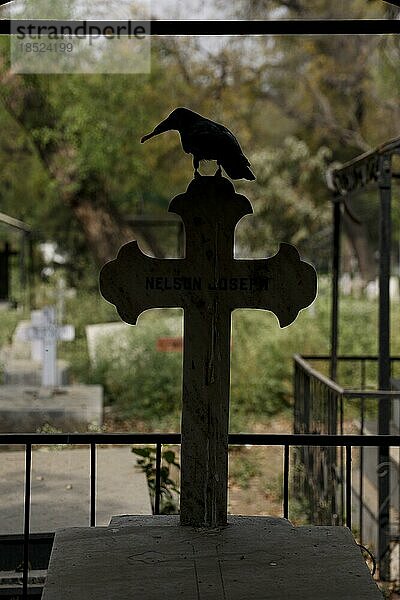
x: 22, y: 371
x: 252, y: 558
x: 24, y: 409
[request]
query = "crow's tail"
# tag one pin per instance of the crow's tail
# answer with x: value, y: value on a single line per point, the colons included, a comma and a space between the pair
x: 238, y: 169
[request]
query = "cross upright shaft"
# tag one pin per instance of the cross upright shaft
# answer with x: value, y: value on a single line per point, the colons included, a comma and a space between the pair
x: 208, y: 284
x: 210, y: 227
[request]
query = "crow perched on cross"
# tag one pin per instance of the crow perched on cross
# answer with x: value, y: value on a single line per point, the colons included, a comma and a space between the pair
x: 206, y: 140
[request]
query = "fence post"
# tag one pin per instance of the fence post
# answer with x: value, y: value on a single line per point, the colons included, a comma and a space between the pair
x: 385, y: 192
x: 27, y: 514
x: 158, y: 480
x: 335, y: 289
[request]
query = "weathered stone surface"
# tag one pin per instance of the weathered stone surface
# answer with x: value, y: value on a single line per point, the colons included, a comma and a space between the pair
x: 60, y: 488
x: 25, y: 409
x: 253, y: 558
x: 24, y: 371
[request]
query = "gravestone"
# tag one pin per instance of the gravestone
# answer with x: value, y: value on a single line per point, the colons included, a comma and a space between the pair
x: 209, y: 283
x: 24, y: 359
x: 37, y: 320
x: 47, y: 332
x: 43, y: 333
x: 25, y: 409
x: 35, y: 392
x: 212, y: 557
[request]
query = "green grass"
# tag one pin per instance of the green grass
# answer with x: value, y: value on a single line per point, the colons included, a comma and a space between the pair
x: 243, y: 471
x: 8, y: 322
x: 143, y: 384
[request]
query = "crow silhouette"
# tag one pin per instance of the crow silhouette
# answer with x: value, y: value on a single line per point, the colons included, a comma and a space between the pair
x: 206, y: 140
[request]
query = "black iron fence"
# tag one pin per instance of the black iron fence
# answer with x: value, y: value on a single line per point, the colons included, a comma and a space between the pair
x: 317, y: 399
x: 289, y: 443
x: 324, y: 406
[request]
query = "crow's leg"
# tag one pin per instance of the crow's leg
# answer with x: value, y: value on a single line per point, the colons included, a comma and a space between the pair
x: 218, y: 172
x: 196, y: 164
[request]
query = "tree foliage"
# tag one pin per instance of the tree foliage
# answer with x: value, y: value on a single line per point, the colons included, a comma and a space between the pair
x: 73, y: 167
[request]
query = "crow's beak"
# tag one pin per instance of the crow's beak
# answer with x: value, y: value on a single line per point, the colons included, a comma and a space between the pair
x: 147, y: 137
x: 165, y: 125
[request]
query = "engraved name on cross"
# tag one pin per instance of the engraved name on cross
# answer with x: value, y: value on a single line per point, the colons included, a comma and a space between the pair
x: 208, y: 283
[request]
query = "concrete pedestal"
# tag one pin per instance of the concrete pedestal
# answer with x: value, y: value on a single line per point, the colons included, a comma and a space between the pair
x: 29, y: 372
x: 24, y: 409
x: 253, y: 558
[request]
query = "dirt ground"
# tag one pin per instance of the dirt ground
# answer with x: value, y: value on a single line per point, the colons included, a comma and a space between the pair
x: 256, y: 473
x: 255, y: 482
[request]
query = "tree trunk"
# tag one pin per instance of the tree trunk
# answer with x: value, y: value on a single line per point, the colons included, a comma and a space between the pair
x: 105, y: 231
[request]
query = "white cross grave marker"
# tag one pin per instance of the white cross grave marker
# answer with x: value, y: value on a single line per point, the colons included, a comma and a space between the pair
x: 37, y: 320
x: 209, y: 283
x: 44, y: 329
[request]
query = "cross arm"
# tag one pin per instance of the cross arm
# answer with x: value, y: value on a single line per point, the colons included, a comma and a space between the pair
x: 283, y: 284
x: 135, y: 282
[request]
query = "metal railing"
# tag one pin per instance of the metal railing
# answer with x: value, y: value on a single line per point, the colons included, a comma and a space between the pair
x: 352, y: 368
x: 287, y: 441
x: 324, y: 406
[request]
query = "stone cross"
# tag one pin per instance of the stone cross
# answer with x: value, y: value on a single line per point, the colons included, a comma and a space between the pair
x: 38, y: 319
x: 208, y: 283
x: 44, y: 329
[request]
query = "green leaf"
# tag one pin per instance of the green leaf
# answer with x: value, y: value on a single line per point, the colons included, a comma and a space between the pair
x: 146, y: 452
x: 169, y: 456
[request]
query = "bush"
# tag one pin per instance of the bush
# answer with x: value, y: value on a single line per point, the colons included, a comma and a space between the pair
x: 140, y: 381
